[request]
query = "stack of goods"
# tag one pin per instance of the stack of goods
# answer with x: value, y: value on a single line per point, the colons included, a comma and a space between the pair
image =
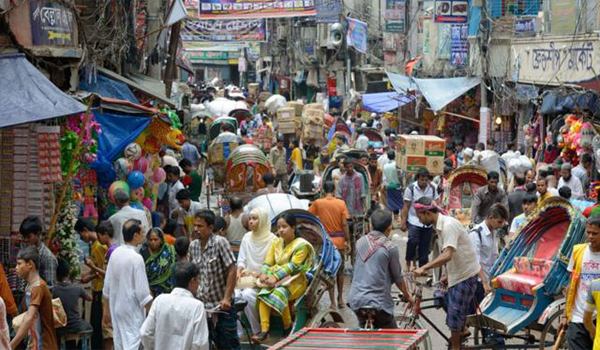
x: 262, y: 98
x: 421, y: 151
x: 286, y: 120
x: 313, y: 116
x: 253, y: 89
x: 297, y: 106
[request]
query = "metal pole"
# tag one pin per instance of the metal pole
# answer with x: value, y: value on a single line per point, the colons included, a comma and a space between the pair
x: 154, y: 70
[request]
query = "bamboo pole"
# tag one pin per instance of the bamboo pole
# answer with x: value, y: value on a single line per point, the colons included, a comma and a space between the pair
x: 63, y: 190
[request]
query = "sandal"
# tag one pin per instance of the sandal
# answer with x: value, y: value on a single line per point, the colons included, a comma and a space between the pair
x: 260, y: 337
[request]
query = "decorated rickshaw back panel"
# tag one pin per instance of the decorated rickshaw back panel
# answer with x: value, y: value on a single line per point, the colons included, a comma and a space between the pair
x: 336, y: 338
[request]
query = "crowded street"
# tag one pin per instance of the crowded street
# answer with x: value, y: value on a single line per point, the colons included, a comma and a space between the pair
x: 274, y: 174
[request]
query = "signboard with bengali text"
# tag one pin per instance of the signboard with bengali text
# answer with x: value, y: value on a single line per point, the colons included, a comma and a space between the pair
x: 51, y: 24
x: 451, y: 11
x: 225, y: 30
x: 240, y: 9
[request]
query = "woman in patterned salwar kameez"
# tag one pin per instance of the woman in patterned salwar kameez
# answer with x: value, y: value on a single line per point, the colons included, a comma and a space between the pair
x: 284, y: 274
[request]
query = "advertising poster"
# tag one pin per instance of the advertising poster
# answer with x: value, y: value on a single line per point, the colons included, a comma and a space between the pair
x: 328, y: 11
x: 51, y: 24
x: 357, y: 35
x: 227, y: 30
x: 242, y: 9
x: 395, y: 16
x: 459, y: 45
x: 451, y: 11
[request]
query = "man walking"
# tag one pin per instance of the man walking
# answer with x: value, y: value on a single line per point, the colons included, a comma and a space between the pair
x: 515, y: 199
x: 584, y: 267
x: 351, y: 189
x: 126, y: 291
x: 419, y: 235
x: 570, y: 181
x: 458, y: 254
x: 486, y: 196
x: 31, y: 230
x: 217, y: 277
x: 278, y: 159
x: 377, y: 267
x: 177, y: 320
x: 334, y: 215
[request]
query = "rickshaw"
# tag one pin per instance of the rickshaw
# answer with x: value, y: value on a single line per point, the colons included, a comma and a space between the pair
x: 218, y: 152
x: 240, y: 114
x: 460, y: 191
x: 340, y: 127
x: 244, y: 172
x: 197, y: 129
x: 529, y: 276
x: 321, y: 277
x: 216, y: 125
x: 276, y: 203
x: 375, y: 139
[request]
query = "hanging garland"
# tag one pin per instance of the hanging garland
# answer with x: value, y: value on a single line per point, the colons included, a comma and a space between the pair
x: 65, y: 241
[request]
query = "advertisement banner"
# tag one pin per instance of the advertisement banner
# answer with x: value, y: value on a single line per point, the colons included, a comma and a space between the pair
x: 237, y: 9
x: 395, y: 16
x: 328, y: 11
x: 225, y: 30
x: 451, y: 11
x: 357, y: 35
x: 459, y: 45
x: 51, y: 24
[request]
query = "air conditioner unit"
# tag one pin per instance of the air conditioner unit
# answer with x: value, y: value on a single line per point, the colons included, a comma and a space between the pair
x: 330, y: 35
x: 322, y: 34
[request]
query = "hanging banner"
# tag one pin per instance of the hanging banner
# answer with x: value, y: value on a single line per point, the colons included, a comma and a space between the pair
x: 225, y: 30
x: 451, y: 11
x: 357, y: 35
x: 51, y: 24
x: 459, y: 45
x: 328, y: 11
x: 395, y: 16
x: 236, y: 9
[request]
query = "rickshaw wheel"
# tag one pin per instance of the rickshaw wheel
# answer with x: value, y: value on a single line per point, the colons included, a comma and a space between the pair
x: 550, y: 332
x: 327, y: 319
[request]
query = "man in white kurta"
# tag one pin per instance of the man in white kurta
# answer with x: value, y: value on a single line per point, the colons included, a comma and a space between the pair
x: 125, y: 213
x: 126, y: 289
x: 177, y: 320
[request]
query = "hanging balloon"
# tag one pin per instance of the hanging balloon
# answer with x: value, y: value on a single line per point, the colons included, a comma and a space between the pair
x: 123, y: 167
x: 141, y: 164
x: 135, y: 179
x: 133, y: 152
x: 159, y: 175
x: 115, y: 186
x: 137, y: 194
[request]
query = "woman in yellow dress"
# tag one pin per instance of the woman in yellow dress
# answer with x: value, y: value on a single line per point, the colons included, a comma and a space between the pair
x: 283, y: 273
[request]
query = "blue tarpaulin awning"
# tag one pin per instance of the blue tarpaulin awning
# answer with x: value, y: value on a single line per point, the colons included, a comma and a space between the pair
x: 26, y: 95
x: 437, y: 92
x: 385, y: 101
x: 107, y: 87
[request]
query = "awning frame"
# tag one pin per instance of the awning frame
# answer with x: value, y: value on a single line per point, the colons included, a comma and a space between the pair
x: 158, y: 95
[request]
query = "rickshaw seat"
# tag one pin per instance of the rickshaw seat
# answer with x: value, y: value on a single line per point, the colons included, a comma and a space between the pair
x: 524, y: 276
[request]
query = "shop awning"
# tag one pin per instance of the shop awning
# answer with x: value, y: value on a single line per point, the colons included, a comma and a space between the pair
x: 385, y: 101
x: 147, y: 85
x: 108, y: 88
x: 437, y: 92
x: 556, y: 102
x: 26, y: 95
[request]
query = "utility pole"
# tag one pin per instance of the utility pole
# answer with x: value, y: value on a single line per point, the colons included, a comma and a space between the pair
x: 485, y: 115
x: 170, y: 69
x: 154, y: 24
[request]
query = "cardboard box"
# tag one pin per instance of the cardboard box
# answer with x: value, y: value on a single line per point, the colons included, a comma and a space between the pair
x: 297, y: 106
x: 286, y: 115
x: 421, y: 145
x: 435, y: 165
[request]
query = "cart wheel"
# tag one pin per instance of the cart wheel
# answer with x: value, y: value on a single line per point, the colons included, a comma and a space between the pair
x: 550, y: 333
x: 326, y: 319
x: 407, y: 322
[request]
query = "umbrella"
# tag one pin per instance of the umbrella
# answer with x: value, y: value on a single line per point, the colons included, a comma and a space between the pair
x: 275, y: 203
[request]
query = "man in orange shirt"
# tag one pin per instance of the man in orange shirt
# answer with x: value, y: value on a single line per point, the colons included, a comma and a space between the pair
x: 334, y: 216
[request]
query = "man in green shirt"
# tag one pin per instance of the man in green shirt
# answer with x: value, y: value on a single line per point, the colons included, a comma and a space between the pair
x: 192, y: 180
